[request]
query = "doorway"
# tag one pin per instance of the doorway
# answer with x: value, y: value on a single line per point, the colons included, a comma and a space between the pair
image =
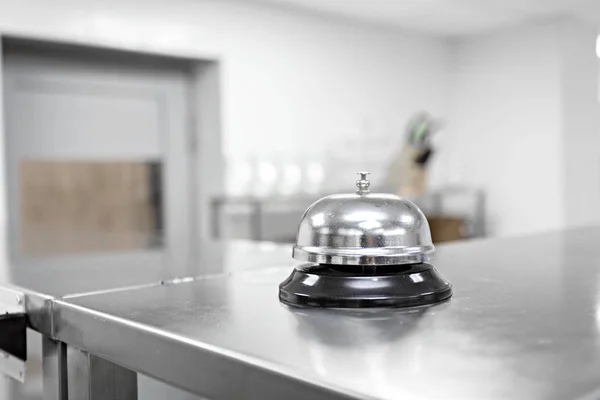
x: 111, y: 158
x: 98, y: 155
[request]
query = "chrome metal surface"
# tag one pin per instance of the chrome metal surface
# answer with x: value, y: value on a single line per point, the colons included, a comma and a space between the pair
x: 54, y: 369
x: 12, y: 366
x: 363, y: 229
x: 363, y: 183
x: 12, y: 301
x: 524, y: 323
x: 13, y: 341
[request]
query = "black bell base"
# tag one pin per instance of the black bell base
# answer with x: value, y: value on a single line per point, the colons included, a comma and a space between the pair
x: 336, y: 286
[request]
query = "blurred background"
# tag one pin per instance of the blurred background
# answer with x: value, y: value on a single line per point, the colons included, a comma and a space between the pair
x: 134, y: 130
x: 144, y: 128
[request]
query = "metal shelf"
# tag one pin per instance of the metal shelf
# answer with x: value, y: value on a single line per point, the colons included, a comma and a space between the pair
x: 275, y: 218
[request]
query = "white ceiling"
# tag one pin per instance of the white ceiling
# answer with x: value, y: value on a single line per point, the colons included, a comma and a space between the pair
x: 449, y: 17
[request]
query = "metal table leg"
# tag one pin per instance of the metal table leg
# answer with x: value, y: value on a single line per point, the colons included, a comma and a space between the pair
x: 55, y: 369
x: 257, y: 218
x: 94, y: 378
x: 216, y: 219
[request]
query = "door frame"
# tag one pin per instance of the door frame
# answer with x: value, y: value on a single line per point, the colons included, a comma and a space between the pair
x: 206, y: 165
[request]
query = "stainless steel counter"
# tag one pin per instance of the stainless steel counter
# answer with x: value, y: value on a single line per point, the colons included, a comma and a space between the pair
x: 77, y: 276
x: 524, y: 323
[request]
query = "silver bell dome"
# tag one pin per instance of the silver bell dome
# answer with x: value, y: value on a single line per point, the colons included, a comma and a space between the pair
x: 363, y: 229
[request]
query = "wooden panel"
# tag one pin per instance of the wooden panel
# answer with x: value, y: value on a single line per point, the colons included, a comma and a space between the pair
x: 446, y: 229
x: 75, y: 207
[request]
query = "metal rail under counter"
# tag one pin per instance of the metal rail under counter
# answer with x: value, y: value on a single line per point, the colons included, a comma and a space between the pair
x: 523, y: 323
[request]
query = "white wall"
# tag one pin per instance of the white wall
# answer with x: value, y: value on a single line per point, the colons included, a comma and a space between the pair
x: 296, y: 84
x: 581, y: 122
x: 505, y: 130
x: 292, y: 83
x: 526, y: 125
x: 3, y: 187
